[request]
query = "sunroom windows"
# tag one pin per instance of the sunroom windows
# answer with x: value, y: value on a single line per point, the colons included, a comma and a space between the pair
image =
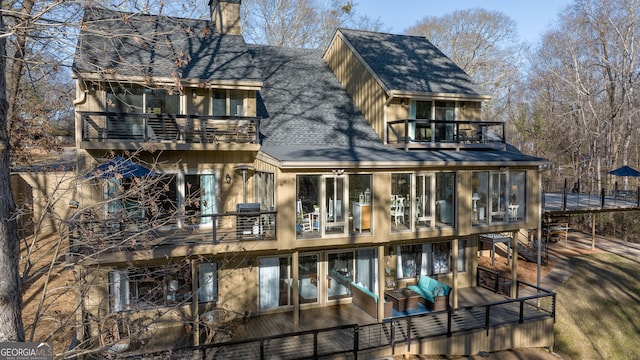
x: 333, y: 204
x: 498, y: 197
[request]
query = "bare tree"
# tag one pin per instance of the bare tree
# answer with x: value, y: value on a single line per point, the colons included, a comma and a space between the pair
x: 484, y: 44
x: 10, y: 292
x: 590, y: 62
x: 300, y: 23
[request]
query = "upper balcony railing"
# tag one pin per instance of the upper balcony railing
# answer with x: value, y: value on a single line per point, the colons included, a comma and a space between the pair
x: 428, y: 134
x: 137, y: 127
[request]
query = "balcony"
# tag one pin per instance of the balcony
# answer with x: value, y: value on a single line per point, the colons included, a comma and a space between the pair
x: 107, y: 130
x: 444, y: 134
x: 90, y: 236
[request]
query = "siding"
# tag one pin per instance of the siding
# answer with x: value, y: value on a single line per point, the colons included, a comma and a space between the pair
x: 365, y: 91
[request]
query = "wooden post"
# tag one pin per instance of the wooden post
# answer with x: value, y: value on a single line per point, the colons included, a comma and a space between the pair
x: 593, y: 231
x: 295, y: 263
x: 514, y: 265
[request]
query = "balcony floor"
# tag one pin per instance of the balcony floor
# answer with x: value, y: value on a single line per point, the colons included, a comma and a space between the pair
x: 317, y: 318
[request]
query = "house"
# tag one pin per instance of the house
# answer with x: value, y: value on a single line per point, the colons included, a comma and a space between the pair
x: 314, y: 172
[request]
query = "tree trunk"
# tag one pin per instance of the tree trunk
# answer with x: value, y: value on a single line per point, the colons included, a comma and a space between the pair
x: 10, y: 289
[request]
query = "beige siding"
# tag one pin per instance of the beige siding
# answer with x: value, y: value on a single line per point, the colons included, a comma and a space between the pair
x: 364, y: 89
x: 43, y: 199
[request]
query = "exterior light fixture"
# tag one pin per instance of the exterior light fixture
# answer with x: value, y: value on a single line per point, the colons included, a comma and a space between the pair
x: 227, y: 179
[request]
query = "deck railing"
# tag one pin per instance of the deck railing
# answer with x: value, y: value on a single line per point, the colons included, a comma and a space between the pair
x: 355, y: 340
x: 113, y: 234
x: 137, y: 127
x: 419, y: 133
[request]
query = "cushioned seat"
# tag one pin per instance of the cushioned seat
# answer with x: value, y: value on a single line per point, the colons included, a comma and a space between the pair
x: 435, y: 293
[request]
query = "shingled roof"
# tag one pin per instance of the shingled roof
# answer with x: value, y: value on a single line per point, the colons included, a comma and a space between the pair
x: 124, y: 45
x: 409, y: 64
x: 303, y: 103
x: 310, y: 120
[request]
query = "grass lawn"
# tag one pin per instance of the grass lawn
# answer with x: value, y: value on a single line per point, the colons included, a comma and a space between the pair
x: 598, y: 311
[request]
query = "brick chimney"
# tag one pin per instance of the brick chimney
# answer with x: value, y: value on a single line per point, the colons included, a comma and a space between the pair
x: 225, y: 14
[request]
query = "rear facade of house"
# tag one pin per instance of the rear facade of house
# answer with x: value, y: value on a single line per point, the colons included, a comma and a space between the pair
x: 287, y: 176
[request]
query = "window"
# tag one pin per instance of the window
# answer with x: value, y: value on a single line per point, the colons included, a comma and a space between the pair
x: 308, y: 278
x: 340, y: 275
x: 428, y: 259
x: 400, y: 202
x: 274, y: 282
x: 122, y: 99
x: 360, y: 200
x: 321, y: 205
x: 445, y: 198
x: 427, y: 204
x: 200, y: 197
x: 445, y: 110
x: 498, y: 197
x: 144, y: 288
x: 208, y: 282
x: 367, y: 269
x: 424, y: 204
x: 264, y: 189
x: 227, y: 103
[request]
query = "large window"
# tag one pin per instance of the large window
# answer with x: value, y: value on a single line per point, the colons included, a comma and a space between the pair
x: 227, y: 103
x: 422, y: 201
x: 428, y: 259
x: 321, y: 205
x: 144, y: 288
x: 498, y: 197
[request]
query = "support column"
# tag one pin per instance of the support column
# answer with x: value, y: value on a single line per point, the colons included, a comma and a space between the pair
x: 454, y: 282
x: 593, y: 231
x: 514, y: 264
x: 380, y: 290
x: 295, y: 264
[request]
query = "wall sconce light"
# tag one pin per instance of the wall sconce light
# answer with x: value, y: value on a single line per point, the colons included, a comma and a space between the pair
x: 391, y: 250
x: 250, y: 264
x: 403, y: 102
x: 227, y: 179
x: 194, y: 93
x: 504, y: 168
x: 338, y: 171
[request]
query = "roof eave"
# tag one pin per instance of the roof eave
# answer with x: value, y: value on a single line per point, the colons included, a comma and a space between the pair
x: 235, y: 84
x: 436, y: 95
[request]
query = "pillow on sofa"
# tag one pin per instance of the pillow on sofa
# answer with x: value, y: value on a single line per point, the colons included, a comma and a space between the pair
x: 425, y: 282
x: 438, y: 291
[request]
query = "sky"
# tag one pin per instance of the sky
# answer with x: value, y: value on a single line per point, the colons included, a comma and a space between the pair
x: 532, y: 17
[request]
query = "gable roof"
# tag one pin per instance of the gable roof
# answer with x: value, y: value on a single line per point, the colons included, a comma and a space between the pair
x: 122, y: 45
x: 405, y: 64
x: 309, y: 120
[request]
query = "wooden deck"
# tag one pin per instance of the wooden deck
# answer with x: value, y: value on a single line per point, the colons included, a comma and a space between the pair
x: 318, y: 318
x: 480, y: 316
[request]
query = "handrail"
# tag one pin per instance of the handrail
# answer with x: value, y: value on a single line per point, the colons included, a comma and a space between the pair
x: 148, y: 127
x: 116, y: 232
x: 362, y: 343
x: 423, y: 132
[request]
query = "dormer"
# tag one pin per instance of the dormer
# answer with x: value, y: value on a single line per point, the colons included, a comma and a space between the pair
x: 412, y: 94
